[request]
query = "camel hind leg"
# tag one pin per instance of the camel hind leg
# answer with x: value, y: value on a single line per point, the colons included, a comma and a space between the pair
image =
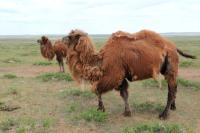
x: 172, y: 89
x: 171, y: 77
x: 60, y: 62
x: 124, y: 94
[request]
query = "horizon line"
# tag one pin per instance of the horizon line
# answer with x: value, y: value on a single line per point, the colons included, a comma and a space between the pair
x: 51, y: 34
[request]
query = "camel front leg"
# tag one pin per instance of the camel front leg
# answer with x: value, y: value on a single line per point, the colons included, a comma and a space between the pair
x: 60, y: 66
x: 63, y: 69
x: 100, y: 103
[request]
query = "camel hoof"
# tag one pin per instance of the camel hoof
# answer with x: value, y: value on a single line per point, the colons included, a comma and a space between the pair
x: 163, y: 116
x: 173, y: 107
x: 127, y: 113
x: 101, y: 109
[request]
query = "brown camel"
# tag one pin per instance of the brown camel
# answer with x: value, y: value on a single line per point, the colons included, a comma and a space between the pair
x: 125, y: 56
x: 49, y: 51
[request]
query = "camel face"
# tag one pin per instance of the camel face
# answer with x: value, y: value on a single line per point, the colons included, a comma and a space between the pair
x: 73, y: 38
x: 43, y: 41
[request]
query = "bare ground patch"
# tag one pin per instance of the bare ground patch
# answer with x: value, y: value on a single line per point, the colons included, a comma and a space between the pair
x: 32, y: 71
x: 190, y: 74
x: 28, y: 71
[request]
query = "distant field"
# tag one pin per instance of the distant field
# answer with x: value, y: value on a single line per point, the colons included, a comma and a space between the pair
x: 35, y: 98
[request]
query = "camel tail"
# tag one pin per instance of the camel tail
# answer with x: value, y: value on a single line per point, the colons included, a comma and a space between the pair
x: 185, y: 54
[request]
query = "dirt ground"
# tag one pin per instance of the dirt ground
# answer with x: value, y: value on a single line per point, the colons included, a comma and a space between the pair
x: 32, y: 71
x: 190, y: 74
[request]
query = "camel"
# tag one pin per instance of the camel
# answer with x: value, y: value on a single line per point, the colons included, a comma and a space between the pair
x: 48, y: 50
x: 124, y: 57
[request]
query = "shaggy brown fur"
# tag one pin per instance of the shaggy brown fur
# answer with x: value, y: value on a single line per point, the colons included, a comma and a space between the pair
x: 124, y: 57
x: 49, y: 51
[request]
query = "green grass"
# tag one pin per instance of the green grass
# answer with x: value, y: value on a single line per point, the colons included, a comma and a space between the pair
x: 41, y: 63
x: 9, y: 76
x: 150, y: 83
x: 12, y: 90
x: 148, y: 107
x: 55, y: 77
x: 77, y: 93
x: 28, y: 124
x: 186, y: 63
x: 156, y: 128
x: 7, y: 124
x: 188, y: 83
x: 72, y: 108
x: 21, y: 130
x: 46, y: 123
x: 94, y: 115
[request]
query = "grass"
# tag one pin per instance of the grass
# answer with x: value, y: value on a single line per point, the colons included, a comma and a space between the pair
x: 12, y: 90
x: 188, y: 83
x: 150, y: 83
x: 21, y: 130
x: 77, y: 93
x: 7, y: 124
x: 148, y: 107
x: 186, y: 64
x: 41, y: 63
x: 47, y: 107
x: 55, y: 76
x: 156, y: 128
x: 46, y: 123
x: 94, y: 115
x: 72, y: 108
x: 9, y: 76
x: 12, y: 60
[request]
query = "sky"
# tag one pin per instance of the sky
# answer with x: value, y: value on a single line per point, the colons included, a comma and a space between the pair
x: 22, y: 17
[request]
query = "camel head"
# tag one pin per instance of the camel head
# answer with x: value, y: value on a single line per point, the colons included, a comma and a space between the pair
x: 46, y: 48
x: 79, y: 41
x: 43, y: 41
x: 74, y: 37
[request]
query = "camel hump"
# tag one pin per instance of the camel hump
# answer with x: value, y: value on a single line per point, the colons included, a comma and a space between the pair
x: 140, y: 35
x: 121, y: 34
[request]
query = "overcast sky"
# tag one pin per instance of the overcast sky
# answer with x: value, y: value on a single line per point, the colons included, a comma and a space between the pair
x: 98, y: 16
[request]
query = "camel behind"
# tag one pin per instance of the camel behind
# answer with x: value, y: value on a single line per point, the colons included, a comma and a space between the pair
x: 48, y: 50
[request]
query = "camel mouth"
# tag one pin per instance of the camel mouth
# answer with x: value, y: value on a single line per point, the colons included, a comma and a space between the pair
x: 39, y: 41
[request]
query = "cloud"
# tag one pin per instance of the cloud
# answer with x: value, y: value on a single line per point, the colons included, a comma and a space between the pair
x: 94, y: 16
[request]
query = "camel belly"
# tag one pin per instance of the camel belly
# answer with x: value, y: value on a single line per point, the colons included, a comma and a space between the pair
x: 143, y: 67
x: 143, y: 74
